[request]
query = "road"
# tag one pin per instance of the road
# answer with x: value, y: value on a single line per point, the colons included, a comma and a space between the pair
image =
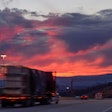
x: 67, y: 105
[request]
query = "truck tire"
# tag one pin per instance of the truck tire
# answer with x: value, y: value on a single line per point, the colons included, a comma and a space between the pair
x: 11, y: 104
x: 45, y: 101
x: 26, y: 103
x: 32, y: 103
x: 42, y: 102
x: 48, y: 101
x: 56, y: 102
x: 3, y: 104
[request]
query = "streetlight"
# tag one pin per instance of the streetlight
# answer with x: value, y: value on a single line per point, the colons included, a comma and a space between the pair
x: 67, y: 87
x: 3, y: 67
x: 3, y: 56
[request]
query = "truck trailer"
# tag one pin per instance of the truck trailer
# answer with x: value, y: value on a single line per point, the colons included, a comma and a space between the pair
x: 25, y: 86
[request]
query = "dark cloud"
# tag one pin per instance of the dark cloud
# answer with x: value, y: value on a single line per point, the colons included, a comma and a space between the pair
x: 21, y: 44
x: 107, y: 57
x: 73, y: 19
x: 29, y: 41
x: 85, y: 38
x: 24, y: 48
x: 5, y: 3
x: 13, y: 18
x: 33, y: 39
x: 79, y: 32
x: 4, y: 46
x: 106, y: 12
x: 83, y: 32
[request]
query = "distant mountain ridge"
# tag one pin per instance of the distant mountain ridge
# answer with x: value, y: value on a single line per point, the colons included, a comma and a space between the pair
x: 82, y: 82
x: 79, y: 82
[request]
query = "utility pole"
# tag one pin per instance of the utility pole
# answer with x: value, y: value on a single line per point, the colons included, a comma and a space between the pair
x: 3, y: 56
x: 72, y: 79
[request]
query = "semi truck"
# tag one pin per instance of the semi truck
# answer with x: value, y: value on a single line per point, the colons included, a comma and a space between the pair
x: 25, y: 86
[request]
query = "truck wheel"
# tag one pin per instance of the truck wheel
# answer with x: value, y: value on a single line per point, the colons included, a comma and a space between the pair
x: 42, y: 102
x: 26, y: 103
x: 32, y: 103
x: 45, y: 101
x: 56, y: 102
x: 11, y: 105
x: 49, y: 100
x: 3, y: 104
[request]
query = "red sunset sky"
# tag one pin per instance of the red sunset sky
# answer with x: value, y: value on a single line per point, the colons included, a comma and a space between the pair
x: 70, y: 44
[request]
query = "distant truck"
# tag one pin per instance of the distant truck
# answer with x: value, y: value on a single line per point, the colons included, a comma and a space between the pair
x: 26, y: 86
x: 99, y: 95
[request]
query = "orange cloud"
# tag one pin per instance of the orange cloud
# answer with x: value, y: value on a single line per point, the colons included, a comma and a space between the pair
x: 59, y: 60
x: 58, y: 46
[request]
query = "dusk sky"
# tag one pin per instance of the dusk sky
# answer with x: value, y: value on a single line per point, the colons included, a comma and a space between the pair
x: 71, y: 37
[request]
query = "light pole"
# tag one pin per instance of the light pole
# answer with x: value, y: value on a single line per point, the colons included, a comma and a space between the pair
x: 55, y: 81
x: 3, y: 56
x: 72, y: 80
